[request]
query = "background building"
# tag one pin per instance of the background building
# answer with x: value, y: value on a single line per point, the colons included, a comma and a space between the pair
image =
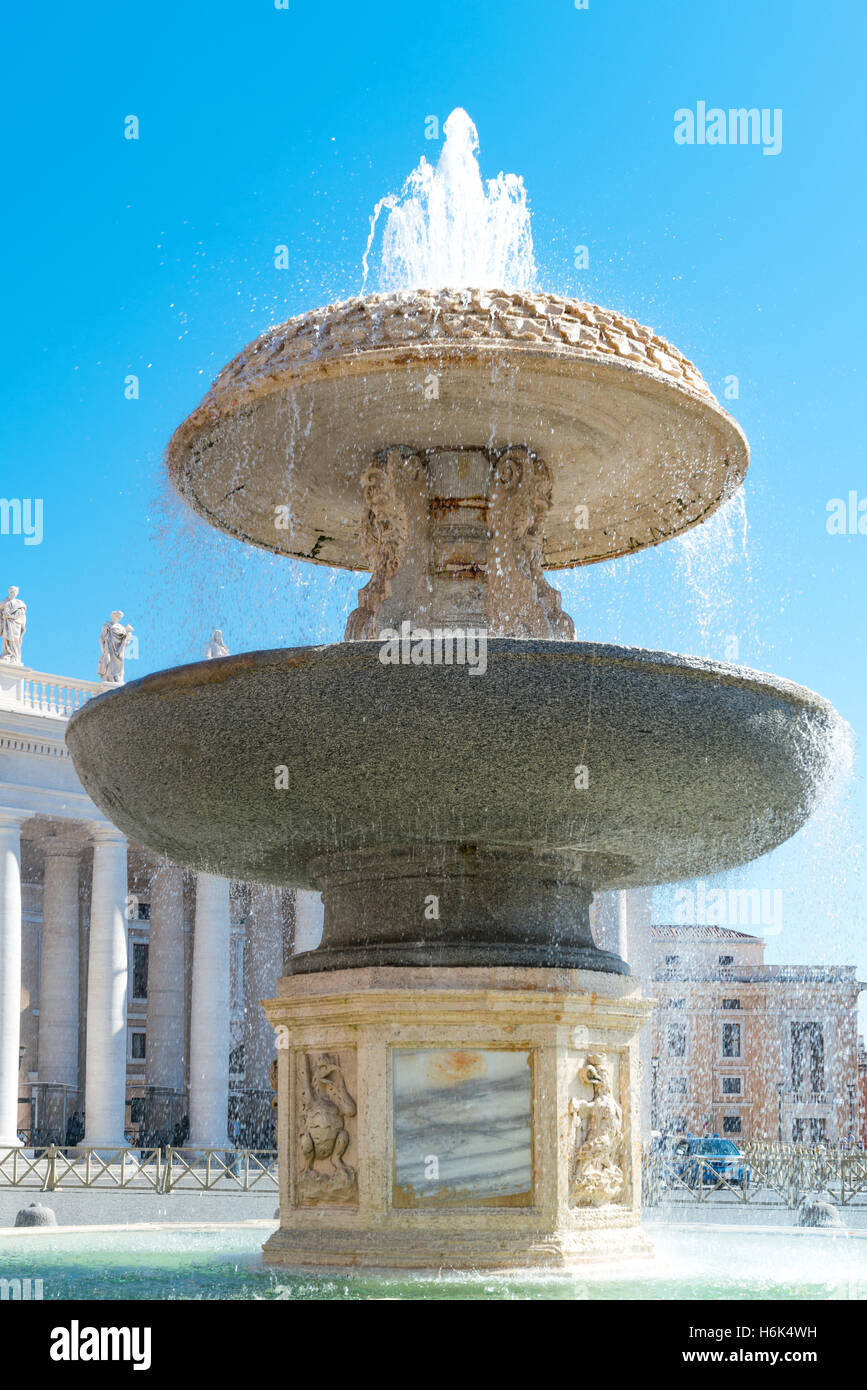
x: 129, y: 988
x: 743, y: 1048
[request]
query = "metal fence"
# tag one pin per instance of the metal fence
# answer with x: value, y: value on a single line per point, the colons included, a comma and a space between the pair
x: 775, y: 1173
x: 53, y: 1169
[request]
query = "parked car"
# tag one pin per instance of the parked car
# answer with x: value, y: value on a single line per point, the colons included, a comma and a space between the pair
x: 708, y: 1161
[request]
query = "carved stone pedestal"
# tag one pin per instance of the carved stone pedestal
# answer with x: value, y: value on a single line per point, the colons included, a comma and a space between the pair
x: 457, y: 1118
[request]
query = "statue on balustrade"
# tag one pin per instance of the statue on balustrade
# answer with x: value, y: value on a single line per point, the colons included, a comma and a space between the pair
x: 216, y: 647
x: 13, y: 621
x: 113, y: 642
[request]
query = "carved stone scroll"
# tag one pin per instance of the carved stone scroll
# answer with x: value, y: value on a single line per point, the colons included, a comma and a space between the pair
x: 520, y: 601
x: 386, y: 536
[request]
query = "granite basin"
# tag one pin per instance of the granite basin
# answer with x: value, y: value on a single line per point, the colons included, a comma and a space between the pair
x: 691, y: 766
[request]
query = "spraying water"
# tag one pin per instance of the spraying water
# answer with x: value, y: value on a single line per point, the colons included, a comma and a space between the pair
x: 447, y: 228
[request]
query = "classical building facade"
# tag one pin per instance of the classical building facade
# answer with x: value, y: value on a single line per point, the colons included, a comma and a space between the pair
x: 129, y: 988
x: 748, y: 1049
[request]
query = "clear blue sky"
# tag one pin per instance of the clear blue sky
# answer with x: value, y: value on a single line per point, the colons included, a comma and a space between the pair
x: 262, y: 126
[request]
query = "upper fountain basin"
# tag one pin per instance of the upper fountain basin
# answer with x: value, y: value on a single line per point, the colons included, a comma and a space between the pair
x: 692, y: 766
x: 629, y: 430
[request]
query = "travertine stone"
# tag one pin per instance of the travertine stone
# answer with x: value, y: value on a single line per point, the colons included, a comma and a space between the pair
x: 448, y: 1118
x: 454, y: 538
x: 325, y: 1121
x: 635, y: 444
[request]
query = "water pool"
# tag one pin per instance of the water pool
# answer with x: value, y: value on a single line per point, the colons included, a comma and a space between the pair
x: 207, y: 1262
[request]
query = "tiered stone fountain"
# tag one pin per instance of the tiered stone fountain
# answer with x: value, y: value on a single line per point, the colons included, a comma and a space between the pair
x: 457, y: 1060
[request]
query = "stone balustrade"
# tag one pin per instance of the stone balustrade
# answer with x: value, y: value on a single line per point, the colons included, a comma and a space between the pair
x: 37, y: 692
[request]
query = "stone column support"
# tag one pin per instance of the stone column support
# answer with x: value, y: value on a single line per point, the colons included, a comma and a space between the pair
x: 264, y: 968
x: 107, y: 990
x: 10, y: 974
x: 58, y: 982
x: 209, y: 1015
x: 165, y: 1006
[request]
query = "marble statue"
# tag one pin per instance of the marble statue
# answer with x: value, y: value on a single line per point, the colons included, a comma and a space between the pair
x: 216, y: 647
x: 326, y: 1105
x: 113, y: 642
x: 13, y: 621
x: 596, y: 1177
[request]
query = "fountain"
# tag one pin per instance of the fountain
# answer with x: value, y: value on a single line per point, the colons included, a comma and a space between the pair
x: 457, y: 1071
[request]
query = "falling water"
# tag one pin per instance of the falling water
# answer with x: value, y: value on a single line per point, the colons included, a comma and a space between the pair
x: 714, y: 574
x: 447, y: 228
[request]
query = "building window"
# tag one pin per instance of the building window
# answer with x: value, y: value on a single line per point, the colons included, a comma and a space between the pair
x: 731, y: 1124
x: 144, y: 912
x: 731, y: 1003
x: 676, y: 1039
x: 677, y: 1086
x: 731, y: 1085
x: 808, y: 1057
x: 676, y: 1003
x: 139, y: 970
x: 237, y: 1060
x: 818, y: 1131
x: 138, y: 1047
x: 731, y: 1039
x: 726, y: 966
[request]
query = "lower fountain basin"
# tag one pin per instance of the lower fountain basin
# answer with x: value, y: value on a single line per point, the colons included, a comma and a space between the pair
x: 224, y: 1262
x: 282, y: 766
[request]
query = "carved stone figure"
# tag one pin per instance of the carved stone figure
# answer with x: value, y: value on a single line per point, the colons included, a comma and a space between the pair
x: 113, y: 642
x: 273, y: 1072
x: 385, y: 535
x: 520, y: 601
x: 595, y: 1172
x: 326, y: 1105
x: 216, y: 647
x: 13, y: 622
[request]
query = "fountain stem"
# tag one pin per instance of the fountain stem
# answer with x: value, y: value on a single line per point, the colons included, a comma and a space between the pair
x: 453, y: 537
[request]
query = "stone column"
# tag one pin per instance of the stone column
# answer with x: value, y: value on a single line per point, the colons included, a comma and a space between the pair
x: 10, y: 974
x: 165, y: 1007
x: 209, y: 1016
x: 309, y: 916
x: 264, y: 967
x: 58, y: 981
x: 107, y: 988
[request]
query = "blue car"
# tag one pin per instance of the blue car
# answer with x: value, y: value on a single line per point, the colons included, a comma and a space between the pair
x: 709, y: 1161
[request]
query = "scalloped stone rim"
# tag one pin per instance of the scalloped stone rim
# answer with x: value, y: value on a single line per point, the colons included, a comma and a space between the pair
x: 413, y: 317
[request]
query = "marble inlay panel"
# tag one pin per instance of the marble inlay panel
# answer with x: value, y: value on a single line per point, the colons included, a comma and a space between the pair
x: 462, y: 1127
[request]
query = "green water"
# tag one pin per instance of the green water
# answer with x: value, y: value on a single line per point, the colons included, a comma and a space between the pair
x: 735, y: 1263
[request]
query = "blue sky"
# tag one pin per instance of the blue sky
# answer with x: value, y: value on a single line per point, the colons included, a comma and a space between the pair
x: 261, y: 126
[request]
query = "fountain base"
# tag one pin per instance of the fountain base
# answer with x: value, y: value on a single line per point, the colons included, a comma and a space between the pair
x: 463, y: 1118
x: 461, y: 905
